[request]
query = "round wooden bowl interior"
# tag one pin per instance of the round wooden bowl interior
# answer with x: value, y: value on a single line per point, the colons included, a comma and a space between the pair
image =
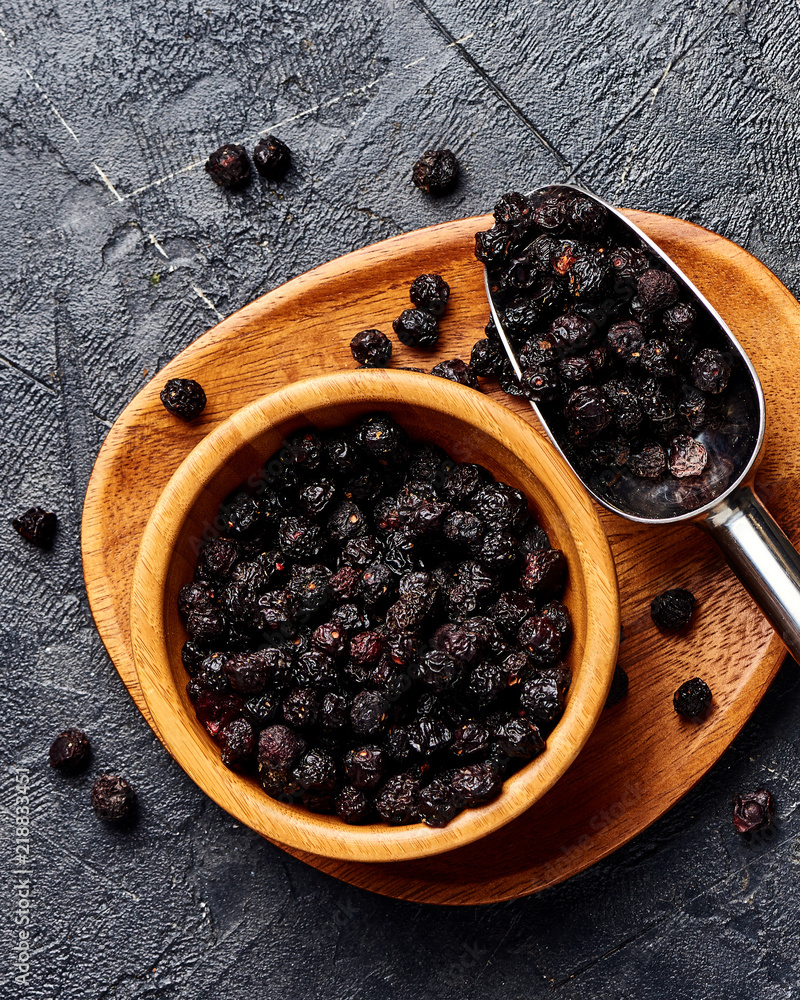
x: 469, y: 427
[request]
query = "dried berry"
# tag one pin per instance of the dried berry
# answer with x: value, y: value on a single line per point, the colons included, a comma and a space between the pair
x: 619, y: 687
x: 369, y: 713
x: 272, y: 158
x: 280, y: 747
x: 657, y: 290
x: 625, y: 341
x: 541, y: 638
x: 687, y: 457
x: 431, y: 293
x: 113, y: 799
x: 692, y: 698
x: 301, y: 708
x: 238, y: 744
x: 544, y: 573
x: 435, y: 172
x: 519, y: 737
x: 438, y: 802
x: 37, y: 526
x: 477, y: 784
x: 649, y: 461
x: 456, y: 371
x: 184, y: 398
x: 229, y: 167
x: 248, y: 673
x: 711, y: 371
x: 673, y: 609
x: 416, y: 328
x: 571, y: 333
x: 316, y: 771
x: 353, y: 806
x: 398, y: 800
x: 371, y: 348
x: 70, y: 752
x: 753, y: 811
x: 589, y: 407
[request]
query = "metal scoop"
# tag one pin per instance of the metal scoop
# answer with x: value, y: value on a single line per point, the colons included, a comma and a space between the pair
x: 721, y: 500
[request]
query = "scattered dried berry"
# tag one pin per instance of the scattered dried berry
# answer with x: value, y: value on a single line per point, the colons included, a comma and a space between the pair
x: 619, y: 687
x: 70, y: 752
x: 184, y: 398
x: 416, y: 328
x: 431, y: 293
x: 456, y: 371
x: 371, y: 348
x: 113, y: 799
x: 37, y: 526
x: 435, y: 172
x: 753, y: 811
x: 272, y: 158
x: 229, y: 167
x: 692, y: 698
x: 673, y: 609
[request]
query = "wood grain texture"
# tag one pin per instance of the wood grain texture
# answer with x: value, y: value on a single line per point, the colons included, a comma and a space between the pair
x: 641, y: 757
x: 469, y: 427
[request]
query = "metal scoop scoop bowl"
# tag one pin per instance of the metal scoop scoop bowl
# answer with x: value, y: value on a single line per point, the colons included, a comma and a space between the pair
x: 721, y: 500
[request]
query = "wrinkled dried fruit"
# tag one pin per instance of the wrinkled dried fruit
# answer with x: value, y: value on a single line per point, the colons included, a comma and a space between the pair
x: 673, y: 609
x: 113, y: 799
x: 229, y: 167
x: 753, y: 811
x: 435, y: 172
x: 371, y: 348
x: 272, y: 158
x: 70, y: 752
x: 184, y: 398
x: 692, y: 698
x: 37, y: 526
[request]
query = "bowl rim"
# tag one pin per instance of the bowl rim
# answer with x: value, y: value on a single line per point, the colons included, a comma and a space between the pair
x: 241, y: 795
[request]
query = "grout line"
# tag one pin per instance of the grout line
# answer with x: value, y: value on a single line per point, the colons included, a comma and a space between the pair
x: 108, y: 183
x: 195, y: 288
x: 24, y: 371
x: 652, y: 91
x: 321, y: 106
x: 202, y: 295
x: 495, y: 87
x: 158, y: 247
x: 46, y: 96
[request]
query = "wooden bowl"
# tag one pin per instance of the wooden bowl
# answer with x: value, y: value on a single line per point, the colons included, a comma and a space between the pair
x: 470, y: 427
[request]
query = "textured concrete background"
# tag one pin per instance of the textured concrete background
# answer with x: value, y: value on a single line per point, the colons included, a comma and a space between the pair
x: 118, y: 251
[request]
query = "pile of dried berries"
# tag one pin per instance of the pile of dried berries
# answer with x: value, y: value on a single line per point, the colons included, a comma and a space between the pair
x: 379, y: 632
x: 627, y: 369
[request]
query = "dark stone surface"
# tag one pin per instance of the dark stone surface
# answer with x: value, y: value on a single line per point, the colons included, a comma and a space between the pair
x: 118, y: 251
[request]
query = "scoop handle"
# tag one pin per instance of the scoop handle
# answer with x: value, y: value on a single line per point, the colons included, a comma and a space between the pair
x: 762, y: 557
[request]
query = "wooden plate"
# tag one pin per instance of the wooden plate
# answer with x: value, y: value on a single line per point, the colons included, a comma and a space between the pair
x: 641, y: 758
x: 464, y: 423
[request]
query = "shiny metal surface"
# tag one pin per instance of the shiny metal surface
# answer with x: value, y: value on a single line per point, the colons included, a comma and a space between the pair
x: 762, y: 557
x: 724, y: 503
